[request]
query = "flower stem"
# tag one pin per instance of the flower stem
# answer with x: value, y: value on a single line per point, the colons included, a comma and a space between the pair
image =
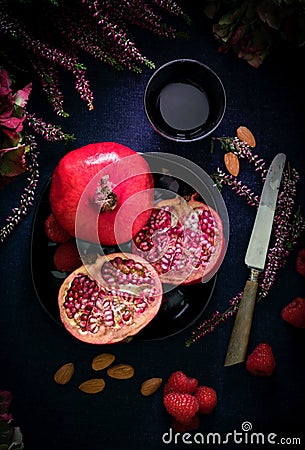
x: 287, y: 228
x: 27, y: 197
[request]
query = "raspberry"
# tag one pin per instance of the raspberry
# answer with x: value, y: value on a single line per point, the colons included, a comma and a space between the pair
x: 182, y: 407
x: 54, y: 231
x: 300, y: 262
x: 193, y: 424
x: 66, y: 257
x: 207, y: 399
x: 261, y: 361
x: 179, y: 382
x: 294, y: 312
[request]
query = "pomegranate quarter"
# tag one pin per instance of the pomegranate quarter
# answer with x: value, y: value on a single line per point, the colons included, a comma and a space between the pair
x: 111, y: 299
x: 183, y: 240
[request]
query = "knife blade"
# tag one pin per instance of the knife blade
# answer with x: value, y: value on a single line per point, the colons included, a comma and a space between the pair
x: 255, y: 260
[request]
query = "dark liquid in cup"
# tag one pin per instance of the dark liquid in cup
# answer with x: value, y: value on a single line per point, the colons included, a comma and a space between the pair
x: 183, y: 107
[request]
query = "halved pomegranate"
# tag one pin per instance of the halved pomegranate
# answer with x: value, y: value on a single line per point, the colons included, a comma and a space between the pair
x: 91, y: 184
x: 110, y: 299
x: 183, y: 240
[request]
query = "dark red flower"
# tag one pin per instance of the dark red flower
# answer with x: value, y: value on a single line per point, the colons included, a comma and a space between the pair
x: 5, y: 83
x: 12, y: 108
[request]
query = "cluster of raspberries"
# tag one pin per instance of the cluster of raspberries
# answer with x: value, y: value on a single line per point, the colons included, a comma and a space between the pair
x: 185, y: 400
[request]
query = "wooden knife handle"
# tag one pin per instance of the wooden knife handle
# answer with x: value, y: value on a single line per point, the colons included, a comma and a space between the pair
x: 238, y: 344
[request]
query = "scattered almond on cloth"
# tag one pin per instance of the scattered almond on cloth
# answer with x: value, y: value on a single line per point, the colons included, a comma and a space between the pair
x: 119, y: 372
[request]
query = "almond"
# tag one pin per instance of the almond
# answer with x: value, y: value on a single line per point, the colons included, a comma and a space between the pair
x: 121, y: 371
x: 245, y: 135
x: 92, y: 386
x: 64, y: 374
x: 102, y: 361
x: 232, y: 163
x: 150, y: 386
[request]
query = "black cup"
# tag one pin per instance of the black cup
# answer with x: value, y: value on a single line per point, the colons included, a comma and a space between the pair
x: 184, y: 100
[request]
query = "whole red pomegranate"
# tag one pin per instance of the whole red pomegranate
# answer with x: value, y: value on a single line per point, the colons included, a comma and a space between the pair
x: 91, y: 184
x: 111, y: 299
x: 183, y: 240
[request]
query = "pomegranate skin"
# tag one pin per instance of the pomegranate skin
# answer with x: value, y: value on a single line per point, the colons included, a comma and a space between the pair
x: 178, y: 246
x: 76, y: 179
x: 98, y: 309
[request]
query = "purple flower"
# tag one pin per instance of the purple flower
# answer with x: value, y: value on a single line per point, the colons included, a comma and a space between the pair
x: 6, y: 96
x: 6, y: 417
x: 12, y: 126
x: 12, y: 107
x: 5, y: 83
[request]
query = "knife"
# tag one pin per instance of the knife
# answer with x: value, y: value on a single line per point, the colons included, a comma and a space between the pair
x: 255, y: 260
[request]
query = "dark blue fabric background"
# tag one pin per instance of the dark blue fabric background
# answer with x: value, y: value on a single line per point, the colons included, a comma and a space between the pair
x: 270, y: 101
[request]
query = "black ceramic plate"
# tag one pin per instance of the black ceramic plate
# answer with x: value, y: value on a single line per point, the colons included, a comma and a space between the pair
x: 183, y: 305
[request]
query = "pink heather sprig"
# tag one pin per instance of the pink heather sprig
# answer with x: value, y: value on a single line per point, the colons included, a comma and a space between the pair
x: 285, y: 204
x: 27, y: 197
x: 287, y: 229
x: 82, y: 85
x: 83, y: 34
x: 143, y: 16
x: 217, y: 318
x: 48, y: 131
x: 111, y: 10
x: 96, y: 27
x: 14, y: 28
x: 117, y: 36
x: 173, y: 8
x: 240, y: 188
x: 243, y: 150
x: 289, y: 226
x: 139, y: 13
x: 49, y: 79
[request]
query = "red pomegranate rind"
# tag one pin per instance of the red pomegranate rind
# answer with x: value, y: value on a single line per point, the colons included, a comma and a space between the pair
x: 110, y: 300
x: 183, y: 241
x: 121, y: 178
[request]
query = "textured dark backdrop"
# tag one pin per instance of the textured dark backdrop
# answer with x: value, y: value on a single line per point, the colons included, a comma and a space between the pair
x: 270, y: 101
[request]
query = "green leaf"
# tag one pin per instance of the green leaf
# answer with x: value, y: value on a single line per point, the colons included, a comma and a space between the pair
x: 221, y: 32
x: 270, y: 14
x: 12, y: 161
x: 210, y: 9
x: 226, y: 19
